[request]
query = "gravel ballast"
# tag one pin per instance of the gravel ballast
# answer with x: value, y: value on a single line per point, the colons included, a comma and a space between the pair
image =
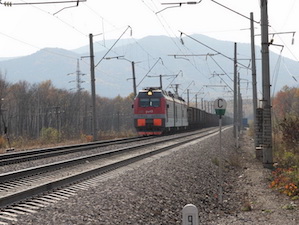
x: 154, y: 192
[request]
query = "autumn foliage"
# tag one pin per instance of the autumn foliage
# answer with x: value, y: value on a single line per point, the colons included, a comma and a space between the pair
x: 286, y: 136
x: 286, y: 102
x: 286, y: 181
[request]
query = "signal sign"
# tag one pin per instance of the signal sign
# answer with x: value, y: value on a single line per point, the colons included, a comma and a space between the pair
x: 220, y: 106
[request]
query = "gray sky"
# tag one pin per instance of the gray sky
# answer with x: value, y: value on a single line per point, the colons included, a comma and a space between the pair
x: 26, y: 29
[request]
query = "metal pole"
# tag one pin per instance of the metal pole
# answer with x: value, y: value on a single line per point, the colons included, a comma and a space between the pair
x: 177, y: 89
x: 134, y: 78
x: 239, y: 105
x: 188, y: 97
x: 1, y: 116
x: 93, y: 88
x: 253, y: 69
x: 235, y: 95
x: 220, y: 162
x: 267, y: 123
x: 208, y: 106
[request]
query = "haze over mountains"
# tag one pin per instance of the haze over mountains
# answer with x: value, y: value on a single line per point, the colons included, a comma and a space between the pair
x: 198, y: 66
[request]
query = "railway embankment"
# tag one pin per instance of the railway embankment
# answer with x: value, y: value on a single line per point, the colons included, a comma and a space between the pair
x: 260, y: 203
x: 154, y: 191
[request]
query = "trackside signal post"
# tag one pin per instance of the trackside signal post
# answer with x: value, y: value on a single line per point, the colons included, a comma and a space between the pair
x: 220, y: 107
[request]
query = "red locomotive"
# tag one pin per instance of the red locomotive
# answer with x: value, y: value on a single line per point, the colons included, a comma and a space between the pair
x: 157, y: 112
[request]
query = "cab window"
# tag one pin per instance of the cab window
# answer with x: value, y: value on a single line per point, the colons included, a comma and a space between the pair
x: 149, y: 102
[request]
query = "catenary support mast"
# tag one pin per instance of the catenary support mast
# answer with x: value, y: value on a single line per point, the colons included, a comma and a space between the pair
x: 267, y: 123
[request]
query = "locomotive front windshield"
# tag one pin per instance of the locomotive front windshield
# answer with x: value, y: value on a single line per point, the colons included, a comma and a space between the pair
x: 149, y: 102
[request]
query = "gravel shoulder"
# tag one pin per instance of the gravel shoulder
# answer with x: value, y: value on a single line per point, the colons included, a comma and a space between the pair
x: 154, y: 192
x: 261, y: 205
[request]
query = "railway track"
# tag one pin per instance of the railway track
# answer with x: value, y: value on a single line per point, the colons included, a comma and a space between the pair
x: 34, y: 154
x: 23, y: 185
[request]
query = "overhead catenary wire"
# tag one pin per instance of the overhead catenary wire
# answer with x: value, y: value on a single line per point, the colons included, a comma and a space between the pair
x: 149, y: 71
x: 170, y: 32
x: 193, y: 64
x: 194, y: 39
x: 48, y: 13
x: 38, y: 48
x: 287, y: 69
x: 160, y: 18
x: 234, y: 11
x: 72, y: 26
x: 178, y: 4
x: 220, y: 67
x: 111, y: 48
x: 275, y: 74
x: 113, y: 45
x: 43, y: 2
x: 285, y: 44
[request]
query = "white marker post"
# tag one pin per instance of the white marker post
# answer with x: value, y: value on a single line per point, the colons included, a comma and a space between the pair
x: 190, y: 215
x: 220, y: 107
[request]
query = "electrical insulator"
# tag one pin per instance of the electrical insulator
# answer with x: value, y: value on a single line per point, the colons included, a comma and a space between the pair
x: 7, y: 4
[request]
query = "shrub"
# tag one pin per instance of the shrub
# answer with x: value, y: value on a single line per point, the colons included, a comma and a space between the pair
x: 289, y: 128
x: 49, y: 135
x: 251, y: 129
x: 286, y: 181
x: 2, y: 142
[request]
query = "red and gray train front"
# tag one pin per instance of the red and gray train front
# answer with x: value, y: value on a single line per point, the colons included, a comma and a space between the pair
x: 149, y: 113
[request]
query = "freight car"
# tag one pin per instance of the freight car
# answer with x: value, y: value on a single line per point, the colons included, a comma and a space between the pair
x: 158, y: 112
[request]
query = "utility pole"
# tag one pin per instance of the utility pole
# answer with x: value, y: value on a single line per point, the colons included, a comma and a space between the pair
x: 239, y: 105
x: 93, y: 89
x: 267, y: 123
x: 235, y: 96
x: 78, y: 96
x: 58, y: 120
x: 78, y: 77
x: 78, y: 80
x: 134, y: 78
x: 188, y: 97
x: 176, y: 90
x: 253, y: 70
x: 133, y: 70
x: 160, y: 79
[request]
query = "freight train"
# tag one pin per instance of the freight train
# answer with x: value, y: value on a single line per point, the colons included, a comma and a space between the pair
x: 158, y: 112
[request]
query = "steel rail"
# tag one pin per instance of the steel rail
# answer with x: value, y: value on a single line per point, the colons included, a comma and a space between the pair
x: 21, y: 195
x: 74, y: 161
x: 16, y: 157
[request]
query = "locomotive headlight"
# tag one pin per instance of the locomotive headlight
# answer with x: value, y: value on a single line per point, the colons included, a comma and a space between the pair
x: 150, y: 93
x: 141, y: 122
x: 157, y: 122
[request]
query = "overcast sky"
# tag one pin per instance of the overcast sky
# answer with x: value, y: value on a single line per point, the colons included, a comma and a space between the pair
x: 26, y: 29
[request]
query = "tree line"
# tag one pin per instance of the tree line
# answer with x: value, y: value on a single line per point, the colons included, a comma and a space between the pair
x: 28, y: 109
x: 286, y: 123
x: 285, y: 178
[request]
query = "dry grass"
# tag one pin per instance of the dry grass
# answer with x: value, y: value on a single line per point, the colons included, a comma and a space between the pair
x: 20, y: 143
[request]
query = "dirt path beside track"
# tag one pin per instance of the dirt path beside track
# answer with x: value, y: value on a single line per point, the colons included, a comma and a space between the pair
x: 261, y: 204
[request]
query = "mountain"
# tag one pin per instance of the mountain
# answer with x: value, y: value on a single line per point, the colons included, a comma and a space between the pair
x: 46, y: 64
x: 153, y: 56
